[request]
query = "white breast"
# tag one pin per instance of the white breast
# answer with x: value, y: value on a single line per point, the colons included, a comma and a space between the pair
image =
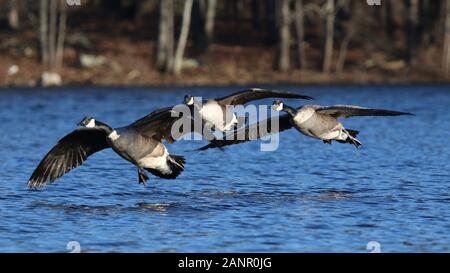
x: 212, y: 113
x: 156, y: 162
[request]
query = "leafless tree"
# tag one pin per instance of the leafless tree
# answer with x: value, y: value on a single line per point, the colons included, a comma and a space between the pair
x: 210, y: 16
x: 52, y: 15
x: 52, y: 33
x: 183, y: 36
x: 13, y: 14
x: 329, y: 35
x: 43, y: 18
x: 446, y: 57
x: 169, y: 59
x: 284, y: 40
x: 164, y: 55
x: 351, y: 27
x: 61, y: 36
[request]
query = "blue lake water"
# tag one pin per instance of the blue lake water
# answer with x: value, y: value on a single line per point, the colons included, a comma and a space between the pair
x: 304, y: 197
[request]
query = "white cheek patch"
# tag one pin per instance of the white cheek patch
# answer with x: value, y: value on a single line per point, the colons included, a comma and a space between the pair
x: 91, y: 124
x: 191, y: 101
x: 278, y: 107
x: 114, y: 135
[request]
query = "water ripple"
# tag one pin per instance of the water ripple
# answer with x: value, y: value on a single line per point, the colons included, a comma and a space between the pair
x: 306, y: 196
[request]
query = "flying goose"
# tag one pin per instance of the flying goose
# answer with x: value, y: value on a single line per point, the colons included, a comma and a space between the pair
x: 139, y: 143
x: 216, y: 113
x: 311, y: 120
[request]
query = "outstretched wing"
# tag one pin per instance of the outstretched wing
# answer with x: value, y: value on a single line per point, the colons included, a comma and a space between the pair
x: 351, y: 111
x: 245, y: 96
x: 158, y: 124
x: 251, y: 132
x: 70, y: 152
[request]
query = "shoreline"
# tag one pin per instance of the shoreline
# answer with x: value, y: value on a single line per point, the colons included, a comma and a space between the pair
x: 237, y: 86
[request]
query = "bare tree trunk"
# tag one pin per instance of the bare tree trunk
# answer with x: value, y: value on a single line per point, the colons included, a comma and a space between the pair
x: 52, y: 33
x: 183, y: 36
x: 43, y: 14
x: 164, y: 57
x: 343, y: 52
x: 61, y: 34
x: 13, y: 15
x: 170, y: 36
x: 299, y: 23
x: 284, y: 39
x: 329, y: 39
x: 446, y: 57
x: 210, y: 15
x: 161, y: 54
x: 355, y: 12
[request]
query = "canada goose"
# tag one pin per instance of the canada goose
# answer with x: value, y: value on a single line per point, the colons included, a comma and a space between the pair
x: 139, y: 143
x: 311, y: 120
x: 216, y: 113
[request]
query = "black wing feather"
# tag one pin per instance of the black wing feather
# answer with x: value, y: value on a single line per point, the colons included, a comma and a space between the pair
x: 251, y: 132
x: 158, y: 124
x: 251, y: 94
x: 70, y: 152
x: 351, y: 111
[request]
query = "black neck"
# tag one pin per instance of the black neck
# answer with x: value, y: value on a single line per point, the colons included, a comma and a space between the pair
x: 104, y: 127
x: 195, y: 106
x: 291, y: 111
